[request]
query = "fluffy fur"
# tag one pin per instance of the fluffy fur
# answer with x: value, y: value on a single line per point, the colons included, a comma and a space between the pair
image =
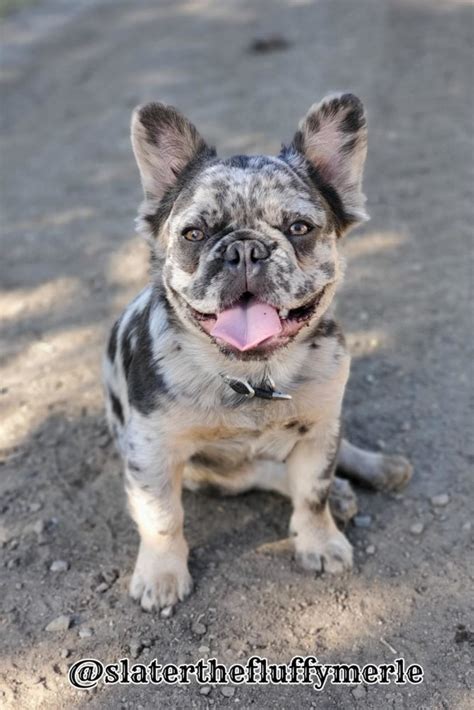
x: 174, y: 417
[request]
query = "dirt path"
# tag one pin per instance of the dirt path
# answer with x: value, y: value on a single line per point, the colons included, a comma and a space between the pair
x: 69, y: 261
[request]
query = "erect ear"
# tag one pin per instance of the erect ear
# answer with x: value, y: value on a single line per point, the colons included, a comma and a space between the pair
x: 333, y: 139
x: 164, y: 143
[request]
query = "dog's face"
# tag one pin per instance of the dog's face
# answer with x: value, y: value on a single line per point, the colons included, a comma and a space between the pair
x: 247, y: 246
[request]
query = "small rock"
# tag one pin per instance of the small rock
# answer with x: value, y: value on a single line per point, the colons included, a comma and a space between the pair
x: 440, y: 500
x: 198, y: 628
x: 370, y: 549
x: 359, y: 692
x: 204, y: 649
x: 362, y: 521
x: 61, y: 623
x: 467, y: 526
x: 39, y: 527
x: 228, y: 691
x: 205, y: 690
x: 166, y: 612
x: 85, y: 632
x: 417, y: 528
x: 135, y: 648
x: 102, y: 587
x: 65, y: 653
x: 59, y: 566
x: 35, y: 507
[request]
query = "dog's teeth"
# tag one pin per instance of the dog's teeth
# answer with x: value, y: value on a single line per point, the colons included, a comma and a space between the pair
x: 284, y: 312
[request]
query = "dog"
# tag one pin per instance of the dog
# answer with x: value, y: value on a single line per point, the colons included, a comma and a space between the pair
x: 228, y: 369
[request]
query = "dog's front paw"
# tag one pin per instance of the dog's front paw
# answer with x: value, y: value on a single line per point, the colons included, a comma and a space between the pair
x: 321, y: 552
x: 160, y: 579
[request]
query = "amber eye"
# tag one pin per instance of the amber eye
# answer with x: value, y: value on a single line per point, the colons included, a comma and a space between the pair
x: 298, y: 229
x: 193, y: 234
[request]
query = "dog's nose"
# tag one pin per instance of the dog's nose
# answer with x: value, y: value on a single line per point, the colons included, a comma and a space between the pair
x: 245, y: 253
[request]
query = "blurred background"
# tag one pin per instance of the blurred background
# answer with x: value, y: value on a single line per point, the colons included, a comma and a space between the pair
x: 245, y: 73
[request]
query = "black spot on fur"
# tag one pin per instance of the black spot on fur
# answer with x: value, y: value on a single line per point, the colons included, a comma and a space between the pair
x: 303, y: 429
x: 318, y: 505
x: 326, y: 328
x: 204, y: 460
x: 116, y: 406
x: 313, y: 123
x: 355, y: 119
x: 349, y: 146
x: 328, y: 269
x: 292, y: 425
x: 144, y: 376
x: 341, y: 219
x: 112, y: 345
x: 332, y: 453
x: 132, y: 466
x: 238, y: 161
x: 127, y: 341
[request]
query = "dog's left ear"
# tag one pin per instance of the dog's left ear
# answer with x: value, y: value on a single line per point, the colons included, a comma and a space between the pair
x: 164, y: 143
x: 333, y: 139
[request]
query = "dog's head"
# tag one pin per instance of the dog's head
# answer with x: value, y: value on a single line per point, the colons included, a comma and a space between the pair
x: 247, y: 246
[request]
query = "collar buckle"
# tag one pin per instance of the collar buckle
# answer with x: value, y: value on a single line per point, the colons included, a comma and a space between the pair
x: 244, y: 388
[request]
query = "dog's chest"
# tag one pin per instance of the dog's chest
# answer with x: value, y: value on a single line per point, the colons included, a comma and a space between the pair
x: 240, y: 439
x: 234, y: 450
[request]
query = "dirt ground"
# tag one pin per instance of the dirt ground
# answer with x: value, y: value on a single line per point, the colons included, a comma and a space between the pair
x: 70, y: 261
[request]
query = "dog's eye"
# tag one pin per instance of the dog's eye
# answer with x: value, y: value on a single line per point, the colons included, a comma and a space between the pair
x: 299, y: 228
x: 193, y: 234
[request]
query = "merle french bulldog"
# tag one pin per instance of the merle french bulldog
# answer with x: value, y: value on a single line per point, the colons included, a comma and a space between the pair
x: 228, y: 369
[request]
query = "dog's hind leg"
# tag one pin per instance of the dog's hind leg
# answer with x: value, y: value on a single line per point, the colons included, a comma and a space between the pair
x: 268, y: 475
x: 373, y: 470
x: 261, y: 473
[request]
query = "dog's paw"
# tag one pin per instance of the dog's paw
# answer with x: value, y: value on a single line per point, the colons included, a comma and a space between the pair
x: 322, y: 552
x: 159, y: 580
x: 392, y: 473
x: 342, y: 501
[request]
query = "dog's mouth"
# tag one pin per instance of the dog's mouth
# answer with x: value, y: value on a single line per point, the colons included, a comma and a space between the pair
x: 252, y: 325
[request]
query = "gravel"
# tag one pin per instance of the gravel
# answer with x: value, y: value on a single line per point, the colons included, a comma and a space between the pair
x: 362, y: 521
x: 59, y: 566
x: 70, y: 262
x: 85, y: 632
x: 440, y: 500
x: 61, y: 623
x: 198, y: 628
x: 228, y: 691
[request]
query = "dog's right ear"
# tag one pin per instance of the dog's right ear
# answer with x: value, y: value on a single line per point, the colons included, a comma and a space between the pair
x: 164, y: 143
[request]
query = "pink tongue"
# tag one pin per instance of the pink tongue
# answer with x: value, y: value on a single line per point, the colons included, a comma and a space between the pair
x: 245, y: 325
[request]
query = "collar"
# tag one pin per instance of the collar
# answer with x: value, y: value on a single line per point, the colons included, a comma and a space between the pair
x: 266, y: 390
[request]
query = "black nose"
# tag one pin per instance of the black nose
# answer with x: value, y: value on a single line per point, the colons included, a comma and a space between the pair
x: 245, y: 253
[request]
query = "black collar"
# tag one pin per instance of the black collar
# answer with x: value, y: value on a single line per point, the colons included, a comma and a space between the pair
x: 266, y: 390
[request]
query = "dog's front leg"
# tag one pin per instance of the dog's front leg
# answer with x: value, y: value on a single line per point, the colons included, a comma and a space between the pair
x: 153, y: 482
x: 319, y: 545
